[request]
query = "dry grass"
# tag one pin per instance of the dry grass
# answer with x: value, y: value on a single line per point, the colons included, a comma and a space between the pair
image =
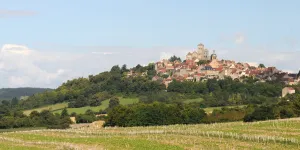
x: 278, y: 134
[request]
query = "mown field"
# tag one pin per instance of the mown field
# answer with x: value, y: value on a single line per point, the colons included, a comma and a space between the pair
x: 49, y: 107
x: 57, y: 108
x: 278, y: 134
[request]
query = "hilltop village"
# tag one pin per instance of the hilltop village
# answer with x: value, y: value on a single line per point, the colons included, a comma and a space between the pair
x: 200, y: 66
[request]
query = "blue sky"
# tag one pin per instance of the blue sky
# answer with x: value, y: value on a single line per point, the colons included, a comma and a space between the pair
x: 97, y: 34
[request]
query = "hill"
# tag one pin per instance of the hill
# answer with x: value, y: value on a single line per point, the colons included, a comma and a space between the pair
x: 9, y: 93
x: 57, y: 108
x: 276, y: 134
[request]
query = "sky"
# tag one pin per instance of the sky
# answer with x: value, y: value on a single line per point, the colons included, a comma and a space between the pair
x: 45, y: 43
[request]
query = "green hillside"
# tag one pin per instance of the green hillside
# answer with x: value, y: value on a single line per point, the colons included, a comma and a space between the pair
x: 53, y: 107
x: 104, y: 105
x: 57, y: 108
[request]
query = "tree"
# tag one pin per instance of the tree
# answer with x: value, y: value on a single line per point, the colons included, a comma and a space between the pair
x: 113, y: 102
x: 174, y: 58
x: 95, y: 102
x: 81, y: 101
x: 14, y: 101
x: 64, y: 113
x: 115, y: 69
x: 202, y: 62
x: 261, y: 66
x: 298, y: 75
x: 124, y: 68
x: 260, y: 113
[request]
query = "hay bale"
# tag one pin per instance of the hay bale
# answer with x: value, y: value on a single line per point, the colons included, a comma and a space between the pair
x: 73, y: 119
x: 97, y: 124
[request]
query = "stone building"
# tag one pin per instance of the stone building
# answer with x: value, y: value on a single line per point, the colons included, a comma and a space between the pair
x: 200, y: 54
x: 214, y: 61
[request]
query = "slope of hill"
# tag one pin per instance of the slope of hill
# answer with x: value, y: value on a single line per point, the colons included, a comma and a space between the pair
x: 9, y: 93
x: 57, y: 108
x: 276, y: 134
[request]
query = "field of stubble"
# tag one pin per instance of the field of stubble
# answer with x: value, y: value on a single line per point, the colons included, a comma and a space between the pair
x: 277, y: 134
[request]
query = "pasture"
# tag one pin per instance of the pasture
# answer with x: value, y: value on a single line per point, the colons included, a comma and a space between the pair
x: 54, y: 107
x: 277, y: 134
x: 57, y: 108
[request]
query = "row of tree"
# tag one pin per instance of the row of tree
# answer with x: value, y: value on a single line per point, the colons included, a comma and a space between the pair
x: 288, y: 107
x: 153, y: 114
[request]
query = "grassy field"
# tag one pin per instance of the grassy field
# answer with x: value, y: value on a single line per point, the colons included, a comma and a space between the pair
x: 193, y: 100
x: 49, y: 107
x: 21, y: 129
x: 104, y: 105
x: 57, y: 108
x: 278, y: 134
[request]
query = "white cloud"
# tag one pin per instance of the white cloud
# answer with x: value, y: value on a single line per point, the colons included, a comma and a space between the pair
x: 239, y: 39
x: 19, y: 66
x: 106, y: 53
x: 22, y: 66
x: 16, y: 49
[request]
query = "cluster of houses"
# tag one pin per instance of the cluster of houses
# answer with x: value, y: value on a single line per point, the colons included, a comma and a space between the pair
x: 198, y: 66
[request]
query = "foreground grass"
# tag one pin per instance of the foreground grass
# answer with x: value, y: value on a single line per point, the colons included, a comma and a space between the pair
x: 21, y: 129
x: 278, y: 134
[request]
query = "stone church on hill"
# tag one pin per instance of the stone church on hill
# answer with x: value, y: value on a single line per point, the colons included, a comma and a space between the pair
x: 200, y: 54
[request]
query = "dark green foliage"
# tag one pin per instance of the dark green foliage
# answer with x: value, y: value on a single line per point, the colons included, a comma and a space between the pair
x: 192, y: 115
x: 203, y: 62
x: 229, y: 92
x: 88, y: 117
x: 124, y: 68
x: 174, y: 58
x: 261, y: 66
x: 95, y: 102
x: 154, y: 114
x: 73, y: 114
x: 81, y: 101
x: 17, y: 119
x: 261, y: 113
x: 14, y: 101
x: 113, y: 102
x: 64, y: 113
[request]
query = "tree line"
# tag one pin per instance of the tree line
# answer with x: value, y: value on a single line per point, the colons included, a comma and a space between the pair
x: 11, y: 116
